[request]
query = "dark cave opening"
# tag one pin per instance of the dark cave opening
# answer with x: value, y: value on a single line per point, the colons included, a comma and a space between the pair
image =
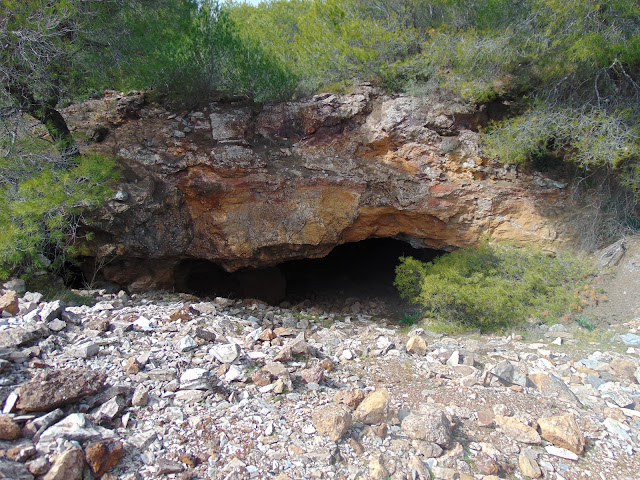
x: 362, y: 270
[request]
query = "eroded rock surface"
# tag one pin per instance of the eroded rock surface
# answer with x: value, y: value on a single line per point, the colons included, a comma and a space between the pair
x: 243, y: 186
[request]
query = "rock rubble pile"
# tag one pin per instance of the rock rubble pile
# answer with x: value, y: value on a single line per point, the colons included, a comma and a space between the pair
x: 175, y: 387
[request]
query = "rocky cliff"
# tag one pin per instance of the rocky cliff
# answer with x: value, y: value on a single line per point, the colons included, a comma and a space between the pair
x: 242, y: 185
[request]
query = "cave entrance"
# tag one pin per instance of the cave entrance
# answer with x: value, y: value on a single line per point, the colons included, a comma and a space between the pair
x: 360, y: 272
x: 353, y: 273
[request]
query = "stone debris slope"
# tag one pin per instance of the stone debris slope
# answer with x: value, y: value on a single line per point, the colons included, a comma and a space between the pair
x: 174, y: 387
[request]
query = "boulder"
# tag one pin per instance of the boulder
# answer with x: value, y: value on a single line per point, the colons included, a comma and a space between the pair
x: 563, y: 431
x: 332, y: 421
x: 54, y: 388
x: 430, y: 424
x: 375, y: 408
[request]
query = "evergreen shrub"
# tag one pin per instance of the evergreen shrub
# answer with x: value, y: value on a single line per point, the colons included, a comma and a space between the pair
x: 493, y: 286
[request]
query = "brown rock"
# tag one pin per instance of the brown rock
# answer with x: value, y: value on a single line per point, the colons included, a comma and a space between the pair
x: 486, y: 418
x: 356, y: 446
x: 486, y: 465
x: 332, y: 421
x: 563, y: 431
x: 267, y: 335
x: 529, y: 467
x: 295, y: 347
x: 9, y: 430
x: 375, y: 408
x: 327, y: 365
x: 377, y: 469
x: 53, y: 388
x: 417, y: 345
x: 9, y: 303
x: 67, y: 466
x: 312, y: 375
x: 518, y: 430
x: 104, y: 455
x: 624, y: 368
x: 351, y: 397
x: 261, y: 377
x: 180, y: 313
x: 551, y: 386
x: 132, y: 366
x: 98, y: 324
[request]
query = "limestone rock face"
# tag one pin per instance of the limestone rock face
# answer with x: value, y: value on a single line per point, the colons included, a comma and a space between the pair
x: 248, y: 186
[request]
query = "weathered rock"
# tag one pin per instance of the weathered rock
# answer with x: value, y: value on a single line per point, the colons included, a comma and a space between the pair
x: 509, y: 374
x: 486, y: 465
x: 358, y: 165
x: 375, y: 408
x: 9, y: 303
x: 563, y: 431
x: 351, y: 397
x: 10, y: 470
x: 51, y: 310
x: 140, y: 396
x: 17, y: 285
x: 294, y: 347
x: 76, y: 426
x: 377, y: 469
x: 430, y: 424
x: 53, y: 388
x: 67, y: 466
x: 518, y: 430
x: 529, y: 467
x: 86, y: 349
x: 9, y: 430
x: 226, y: 353
x: 132, y: 366
x: 417, y: 345
x: 109, y: 410
x: 104, y: 455
x: 624, y: 368
x: 313, y: 375
x: 196, y: 379
x: 551, y: 386
x: 332, y: 421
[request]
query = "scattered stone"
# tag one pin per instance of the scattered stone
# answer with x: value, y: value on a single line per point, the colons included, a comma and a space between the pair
x: 417, y: 345
x: 186, y: 344
x: 10, y: 470
x: 518, y: 430
x: 54, y: 388
x: 486, y: 465
x: 377, y: 470
x: 351, y: 397
x: 39, y: 466
x: 140, y: 396
x: 67, y: 466
x: 9, y: 430
x: 326, y: 365
x: 295, y: 347
x: 76, y: 426
x: 563, y: 431
x: 17, y: 285
x: 553, y: 387
x: 104, y: 455
x: 332, y: 421
x: 509, y: 374
x: 430, y: 424
x: 561, y: 452
x: 375, y: 408
x: 132, y: 366
x: 313, y: 375
x: 109, y: 410
x: 9, y: 303
x: 226, y: 353
x: 180, y: 313
x: 51, y: 310
x: 84, y: 350
x: 529, y: 467
x: 166, y: 467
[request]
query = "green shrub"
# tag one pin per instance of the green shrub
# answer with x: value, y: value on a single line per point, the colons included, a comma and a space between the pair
x: 491, y: 287
x: 42, y: 211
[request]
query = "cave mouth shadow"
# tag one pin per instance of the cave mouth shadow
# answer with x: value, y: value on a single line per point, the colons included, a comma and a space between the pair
x: 362, y: 270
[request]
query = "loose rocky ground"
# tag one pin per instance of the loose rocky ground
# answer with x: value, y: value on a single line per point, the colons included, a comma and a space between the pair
x: 170, y: 386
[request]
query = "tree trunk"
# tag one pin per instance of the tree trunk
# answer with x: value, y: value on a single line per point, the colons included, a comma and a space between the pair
x: 51, y: 118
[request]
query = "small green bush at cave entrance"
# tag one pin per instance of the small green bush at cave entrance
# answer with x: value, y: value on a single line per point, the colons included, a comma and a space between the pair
x: 492, y: 287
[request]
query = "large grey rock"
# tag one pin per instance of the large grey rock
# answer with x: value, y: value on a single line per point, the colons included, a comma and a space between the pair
x: 51, y: 310
x: 53, y: 388
x: 509, y: 374
x: 226, y: 353
x: 76, y: 426
x: 196, y: 379
x: 10, y: 470
x: 430, y: 424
